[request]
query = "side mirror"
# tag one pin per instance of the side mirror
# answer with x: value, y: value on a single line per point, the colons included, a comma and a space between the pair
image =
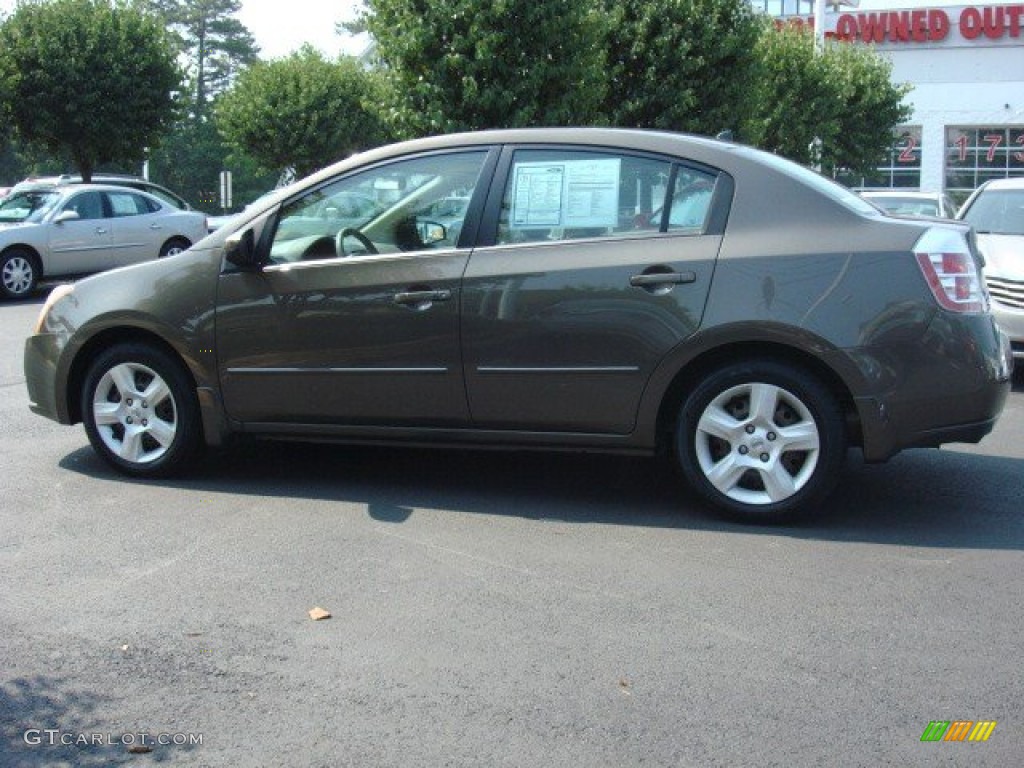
x: 240, y: 250
x: 431, y: 232
x: 63, y: 216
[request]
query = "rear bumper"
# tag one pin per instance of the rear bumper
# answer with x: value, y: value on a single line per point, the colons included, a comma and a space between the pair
x: 951, y: 388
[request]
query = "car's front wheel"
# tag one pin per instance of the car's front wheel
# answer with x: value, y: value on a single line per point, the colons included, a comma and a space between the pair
x: 174, y: 246
x: 18, y: 273
x: 761, y: 441
x: 140, y: 410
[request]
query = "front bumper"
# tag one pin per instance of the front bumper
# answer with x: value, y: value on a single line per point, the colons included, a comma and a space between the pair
x: 1011, y: 321
x: 42, y: 353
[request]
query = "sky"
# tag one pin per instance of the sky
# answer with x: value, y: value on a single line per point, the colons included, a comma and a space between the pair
x: 282, y: 26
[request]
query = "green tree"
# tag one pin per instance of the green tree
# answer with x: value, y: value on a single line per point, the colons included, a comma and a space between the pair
x: 88, y: 79
x: 842, y: 95
x: 190, y: 160
x: 216, y: 45
x: 682, y: 65
x: 301, y: 111
x: 469, y: 64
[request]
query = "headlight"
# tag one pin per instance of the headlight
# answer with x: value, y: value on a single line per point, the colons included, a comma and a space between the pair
x: 56, y: 295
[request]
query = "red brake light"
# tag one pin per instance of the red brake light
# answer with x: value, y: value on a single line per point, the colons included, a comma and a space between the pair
x: 950, y: 271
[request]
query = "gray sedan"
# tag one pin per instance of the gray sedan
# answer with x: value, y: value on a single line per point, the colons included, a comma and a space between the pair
x: 602, y: 290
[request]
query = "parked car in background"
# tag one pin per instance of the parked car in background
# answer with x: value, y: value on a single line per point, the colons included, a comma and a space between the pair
x: 113, y: 179
x: 908, y: 203
x: 996, y: 211
x: 756, y: 339
x: 78, y: 229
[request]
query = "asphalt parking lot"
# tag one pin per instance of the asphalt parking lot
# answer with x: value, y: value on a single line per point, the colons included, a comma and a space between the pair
x: 496, y: 609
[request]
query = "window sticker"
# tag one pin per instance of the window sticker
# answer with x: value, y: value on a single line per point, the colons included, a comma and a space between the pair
x: 573, y: 193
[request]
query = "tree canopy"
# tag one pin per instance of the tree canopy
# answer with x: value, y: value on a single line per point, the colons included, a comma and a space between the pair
x: 216, y: 45
x: 301, y: 111
x: 88, y: 79
x: 471, y: 64
x: 683, y: 65
x: 842, y: 95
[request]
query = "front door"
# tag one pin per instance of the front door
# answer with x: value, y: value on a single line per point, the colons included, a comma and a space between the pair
x: 81, y: 245
x: 353, y: 323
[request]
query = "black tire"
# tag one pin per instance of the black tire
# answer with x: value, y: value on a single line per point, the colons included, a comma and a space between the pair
x: 140, y: 411
x: 173, y: 247
x: 19, y: 273
x: 733, y: 432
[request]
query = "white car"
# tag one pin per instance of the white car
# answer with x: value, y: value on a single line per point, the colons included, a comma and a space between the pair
x: 996, y: 211
x: 85, y: 228
x: 910, y: 203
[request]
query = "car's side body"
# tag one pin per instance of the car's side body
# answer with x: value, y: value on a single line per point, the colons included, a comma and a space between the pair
x: 591, y: 343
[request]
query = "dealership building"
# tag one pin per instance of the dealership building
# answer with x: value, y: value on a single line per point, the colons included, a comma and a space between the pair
x: 966, y: 66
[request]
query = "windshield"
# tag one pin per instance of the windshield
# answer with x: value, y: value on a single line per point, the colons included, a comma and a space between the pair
x: 997, y: 212
x: 27, y: 206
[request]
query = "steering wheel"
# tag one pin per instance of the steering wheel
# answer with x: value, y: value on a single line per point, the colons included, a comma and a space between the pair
x: 339, y: 241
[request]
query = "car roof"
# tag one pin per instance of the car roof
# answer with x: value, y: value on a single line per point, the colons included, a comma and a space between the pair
x: 1011, y: 183
x: 113, y: 179
x: 724, y: 155
x: 68, y: 189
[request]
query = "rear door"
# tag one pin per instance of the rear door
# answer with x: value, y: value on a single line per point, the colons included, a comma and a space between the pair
x: 138, y: 228
x: 592, y: 265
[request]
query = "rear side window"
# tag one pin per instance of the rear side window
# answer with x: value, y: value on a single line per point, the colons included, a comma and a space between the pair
x: 570, y: 194
x: 128, y: 204
x: 691, y: 200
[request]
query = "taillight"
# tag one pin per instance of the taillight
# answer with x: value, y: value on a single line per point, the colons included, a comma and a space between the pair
x: 950, y: 270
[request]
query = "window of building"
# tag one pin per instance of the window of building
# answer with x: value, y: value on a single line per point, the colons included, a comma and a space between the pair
x: 902, y: 169
x: 976, y: 155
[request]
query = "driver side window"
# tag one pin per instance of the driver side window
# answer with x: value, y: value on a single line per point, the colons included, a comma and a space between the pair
x: 409, y: 205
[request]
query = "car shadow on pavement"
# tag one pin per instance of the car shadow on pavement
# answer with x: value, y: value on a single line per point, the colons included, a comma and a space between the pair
x: 920, y: 498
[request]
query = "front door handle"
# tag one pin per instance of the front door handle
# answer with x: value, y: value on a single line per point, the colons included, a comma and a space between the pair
x: 648, y: 279
x: 101, y: 231
x: 422, y: 299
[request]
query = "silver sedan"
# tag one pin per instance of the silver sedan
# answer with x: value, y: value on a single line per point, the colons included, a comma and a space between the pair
x: 85, y: 228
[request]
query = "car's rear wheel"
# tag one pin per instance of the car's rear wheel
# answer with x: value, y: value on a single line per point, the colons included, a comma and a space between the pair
x: 18, y: 273
x: 174, y: 246
x: 761, y: 441
x: 140, y: 411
